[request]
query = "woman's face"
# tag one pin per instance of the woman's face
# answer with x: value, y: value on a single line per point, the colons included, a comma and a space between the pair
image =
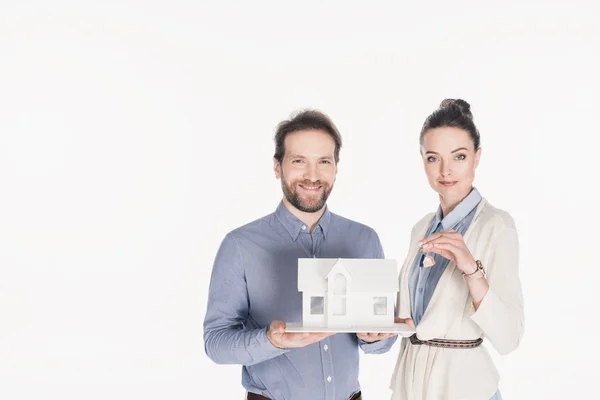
x: 450, y: 160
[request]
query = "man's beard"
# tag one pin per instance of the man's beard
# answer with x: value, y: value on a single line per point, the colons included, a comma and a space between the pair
x: 291, y: 195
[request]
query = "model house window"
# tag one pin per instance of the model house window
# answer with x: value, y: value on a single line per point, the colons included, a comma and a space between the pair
x: 339, y: 284
x: 317, y: 305
x: 380, y: 305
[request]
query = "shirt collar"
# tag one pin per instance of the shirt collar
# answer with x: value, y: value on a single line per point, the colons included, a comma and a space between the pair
x: 294, y: 226
x: 459, y: 212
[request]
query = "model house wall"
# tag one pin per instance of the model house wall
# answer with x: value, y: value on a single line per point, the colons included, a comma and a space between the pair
x: 347, y: 292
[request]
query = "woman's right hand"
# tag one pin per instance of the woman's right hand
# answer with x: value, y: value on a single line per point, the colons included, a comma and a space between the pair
x: 407, y: 321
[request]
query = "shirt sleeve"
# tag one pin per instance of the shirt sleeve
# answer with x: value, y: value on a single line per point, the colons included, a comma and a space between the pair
x: 500, y: 314
x: 226, y: 341
x: 377, y: 247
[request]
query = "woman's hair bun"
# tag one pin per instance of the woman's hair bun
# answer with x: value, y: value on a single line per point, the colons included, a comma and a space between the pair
x: 460, y: 104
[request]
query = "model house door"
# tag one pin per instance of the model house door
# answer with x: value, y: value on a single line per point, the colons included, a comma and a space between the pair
x: 339, y: 297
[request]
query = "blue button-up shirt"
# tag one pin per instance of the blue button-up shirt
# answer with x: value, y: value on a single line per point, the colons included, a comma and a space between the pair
x: 422, y: 281
x: 255, y: 281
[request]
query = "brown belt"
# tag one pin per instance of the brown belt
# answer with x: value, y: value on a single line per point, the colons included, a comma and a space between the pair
x: 254, y: 396
x: 447, y: 343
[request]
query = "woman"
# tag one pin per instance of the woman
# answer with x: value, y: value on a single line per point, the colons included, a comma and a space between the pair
x: 472, y: 291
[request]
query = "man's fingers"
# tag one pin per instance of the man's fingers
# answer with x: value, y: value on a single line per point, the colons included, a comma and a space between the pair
x: 296, y: 336
x: 407, y: 321
x: 381, y: 336
x: 277, y: 327
x: 316, y: 336
x: 372, y: 336
x: 311, y: 338
x: 365, y: 337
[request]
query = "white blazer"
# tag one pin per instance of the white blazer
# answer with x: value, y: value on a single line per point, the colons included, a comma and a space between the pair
x: 432, y: 373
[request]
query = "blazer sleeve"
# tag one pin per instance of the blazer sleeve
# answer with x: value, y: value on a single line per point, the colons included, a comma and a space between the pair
x: 500, y: 314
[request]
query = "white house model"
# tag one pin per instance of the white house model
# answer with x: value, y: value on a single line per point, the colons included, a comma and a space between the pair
x: 347, y: 293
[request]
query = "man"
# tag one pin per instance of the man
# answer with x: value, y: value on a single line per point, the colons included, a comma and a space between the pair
x: 254, y: 284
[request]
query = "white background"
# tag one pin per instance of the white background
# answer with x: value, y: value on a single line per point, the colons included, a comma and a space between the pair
x: 134, y: 135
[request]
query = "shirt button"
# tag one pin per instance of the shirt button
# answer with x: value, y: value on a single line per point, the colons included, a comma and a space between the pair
x: 328, y: 379
x: 325, y: 347
x: 303, y: 227
x: 420, y: 290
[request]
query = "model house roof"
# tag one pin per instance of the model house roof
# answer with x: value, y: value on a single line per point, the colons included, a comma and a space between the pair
x: 368, y: 275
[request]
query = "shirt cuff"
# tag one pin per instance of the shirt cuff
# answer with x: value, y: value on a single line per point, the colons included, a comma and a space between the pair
x: 380, y: 346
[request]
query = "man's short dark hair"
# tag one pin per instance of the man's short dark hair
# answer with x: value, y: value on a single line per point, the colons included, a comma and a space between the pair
x: 306, y: 120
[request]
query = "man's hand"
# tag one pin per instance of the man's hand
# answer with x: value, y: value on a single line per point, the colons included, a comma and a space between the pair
x: 289, y: 340
x: 407, y: 321
x: 374, y: 337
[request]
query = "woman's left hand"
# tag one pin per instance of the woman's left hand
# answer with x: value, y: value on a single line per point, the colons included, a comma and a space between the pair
x: 451, y: 245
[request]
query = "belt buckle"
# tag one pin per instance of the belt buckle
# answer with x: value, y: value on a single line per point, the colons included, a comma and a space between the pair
x: 415, y: 340
x: 355, y: 396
